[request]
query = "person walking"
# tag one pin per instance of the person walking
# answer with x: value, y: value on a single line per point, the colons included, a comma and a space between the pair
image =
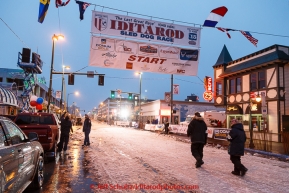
x: 197, y: 130
x: 86, y: 129
x: 237, y: 138
x: 66, y: 127
x: 166, y: 124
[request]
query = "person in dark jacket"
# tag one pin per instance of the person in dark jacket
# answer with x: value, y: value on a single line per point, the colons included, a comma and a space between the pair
x: 197, y: 130
x: 86, y: 129
x: 237, y: 138
x: 166, y: 127
x: 66, y: 127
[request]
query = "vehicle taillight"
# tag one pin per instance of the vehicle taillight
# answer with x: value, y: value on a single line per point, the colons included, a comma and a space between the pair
x: 49, y: 134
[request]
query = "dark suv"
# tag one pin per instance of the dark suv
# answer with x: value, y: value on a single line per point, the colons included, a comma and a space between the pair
x: 21, y: 158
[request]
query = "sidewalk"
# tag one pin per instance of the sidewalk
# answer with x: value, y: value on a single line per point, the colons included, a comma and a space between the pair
x: 276, y: 147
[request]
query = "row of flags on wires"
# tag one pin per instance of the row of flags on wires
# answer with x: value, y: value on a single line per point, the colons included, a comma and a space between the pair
x: 216, y: 15
x: 44, y: 4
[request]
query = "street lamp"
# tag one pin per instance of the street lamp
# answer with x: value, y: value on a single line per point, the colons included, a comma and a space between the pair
x: 54, y: 38
x: 258, y: 99
x: 76, y: 93
x: 140, y: 76
x: 63, y: 67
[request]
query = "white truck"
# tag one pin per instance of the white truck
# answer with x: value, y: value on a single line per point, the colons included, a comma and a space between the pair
x: 211, y: 118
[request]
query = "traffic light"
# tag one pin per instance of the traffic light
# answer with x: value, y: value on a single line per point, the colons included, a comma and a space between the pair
x: 71, y: 79
x: 100, y: 80
x: 129, y: 96
x: 112, y: 94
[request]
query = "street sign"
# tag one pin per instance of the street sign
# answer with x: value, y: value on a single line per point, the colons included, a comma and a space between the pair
x: 119, y: 92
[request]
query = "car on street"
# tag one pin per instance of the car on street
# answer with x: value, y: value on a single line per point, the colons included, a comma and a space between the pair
x: 21, y: 158
x: 47, y: 128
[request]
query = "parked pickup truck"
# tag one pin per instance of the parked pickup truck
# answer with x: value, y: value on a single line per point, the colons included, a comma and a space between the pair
x: 47, y: 128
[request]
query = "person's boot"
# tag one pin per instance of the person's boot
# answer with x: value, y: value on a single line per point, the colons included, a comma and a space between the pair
x: 243, y: 172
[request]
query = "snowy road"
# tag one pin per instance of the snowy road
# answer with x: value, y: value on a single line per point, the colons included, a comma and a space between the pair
x: 148, y: 162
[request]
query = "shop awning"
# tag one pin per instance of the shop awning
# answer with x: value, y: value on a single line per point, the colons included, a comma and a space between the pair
x: 7, y: 97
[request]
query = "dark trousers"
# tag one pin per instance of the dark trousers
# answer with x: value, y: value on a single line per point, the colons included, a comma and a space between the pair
x: 86, y: 138
x: 167, y: 130
x: 197, y: 151
x: 236, y: 160
x: 64, y: 138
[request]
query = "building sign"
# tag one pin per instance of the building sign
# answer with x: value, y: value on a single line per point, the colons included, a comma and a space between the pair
x: 221, y: 134
x: 234, y: 109
x: 140, y: 56
x: 176, y: 89
x: 167, y: 97
x: 144, y: 29
x: 58, y: 94
x: 208, y: 94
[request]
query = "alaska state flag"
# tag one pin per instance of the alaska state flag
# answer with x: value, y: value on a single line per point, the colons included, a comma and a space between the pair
x: 43, y: 8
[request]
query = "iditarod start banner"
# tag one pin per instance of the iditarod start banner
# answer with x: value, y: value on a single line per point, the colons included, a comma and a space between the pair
x: 141, y: 56
x: 145, y: 29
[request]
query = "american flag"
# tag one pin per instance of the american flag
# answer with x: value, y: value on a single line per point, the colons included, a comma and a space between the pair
x: 250, y: 37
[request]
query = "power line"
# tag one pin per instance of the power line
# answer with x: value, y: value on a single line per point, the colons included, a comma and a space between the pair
x: 14, y: 33
x: 185, y: 22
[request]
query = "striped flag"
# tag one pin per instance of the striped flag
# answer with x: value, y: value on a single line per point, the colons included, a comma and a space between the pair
x: 226, y: 30
x: 250, y: 37
x: 215, y: 16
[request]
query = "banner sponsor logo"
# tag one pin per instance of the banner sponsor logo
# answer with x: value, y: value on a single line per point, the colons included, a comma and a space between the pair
x: 101, y: 21
x: 103, y: 44
x: 181, y: 71
x: 144, y: 29
x: 189, y: 55
x: 148, y: 49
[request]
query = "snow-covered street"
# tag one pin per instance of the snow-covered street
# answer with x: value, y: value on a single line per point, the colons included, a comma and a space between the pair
x: 127, y: 159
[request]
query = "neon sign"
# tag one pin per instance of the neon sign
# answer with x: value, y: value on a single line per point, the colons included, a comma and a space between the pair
x: 208, y: 94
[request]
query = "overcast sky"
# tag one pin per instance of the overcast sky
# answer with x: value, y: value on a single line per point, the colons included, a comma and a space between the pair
x: 259, y: 17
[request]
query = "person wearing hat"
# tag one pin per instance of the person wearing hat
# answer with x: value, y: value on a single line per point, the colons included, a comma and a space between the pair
x: 86, y: 129
x: 197, y: 130
x: 237, y: 138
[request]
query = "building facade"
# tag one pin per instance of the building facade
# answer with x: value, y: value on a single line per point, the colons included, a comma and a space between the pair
x: 237, y: 84
x: 16, y: 76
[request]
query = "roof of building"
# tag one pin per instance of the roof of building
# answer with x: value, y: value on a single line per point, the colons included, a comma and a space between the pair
x: 258, y: 59
x: 224, y: 57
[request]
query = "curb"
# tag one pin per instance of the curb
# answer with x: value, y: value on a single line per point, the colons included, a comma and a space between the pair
x: 281, y: 156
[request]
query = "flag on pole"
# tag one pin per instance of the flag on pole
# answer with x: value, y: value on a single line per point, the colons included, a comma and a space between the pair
x: 226, y: 30
x: 59, y: 3
x: 215, y: 16
x: 43, y: 8
x: 250, y: 37
x: 82, y: 8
